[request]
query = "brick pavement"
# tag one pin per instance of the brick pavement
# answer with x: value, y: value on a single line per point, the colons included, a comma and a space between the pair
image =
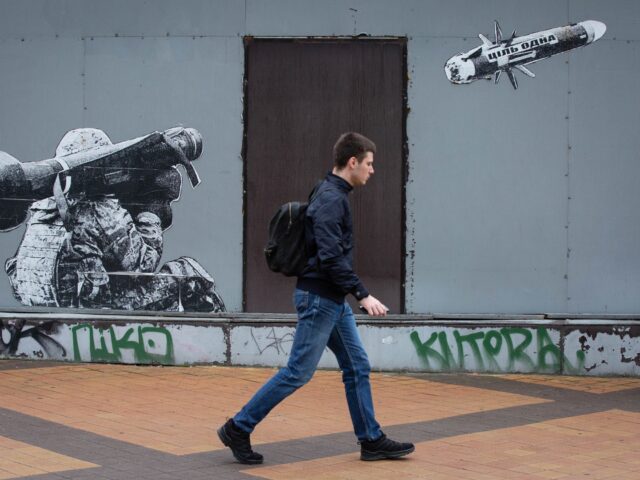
x: 119, y: 422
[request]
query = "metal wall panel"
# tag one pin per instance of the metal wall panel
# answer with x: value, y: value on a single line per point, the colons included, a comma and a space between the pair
x: 76, y: 18
x: 487, y: 191
x: 434, y: 18
x: 622, y: 17
x: 487, y: 198
x: 40, y: 99
x: 135, y: 86
x: 40, y: 94
x: 604, y: 233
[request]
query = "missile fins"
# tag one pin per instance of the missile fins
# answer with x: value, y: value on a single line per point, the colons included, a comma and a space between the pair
x: 526, y: 71
x: 512, y: 77
x: 485, y: 40
x: 498, y: 32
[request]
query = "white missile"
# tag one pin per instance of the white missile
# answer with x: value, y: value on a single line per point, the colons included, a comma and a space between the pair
x: 490, y: 59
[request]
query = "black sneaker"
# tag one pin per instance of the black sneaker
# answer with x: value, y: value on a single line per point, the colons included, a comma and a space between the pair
x: 384, y: 448
x: 239, y: 443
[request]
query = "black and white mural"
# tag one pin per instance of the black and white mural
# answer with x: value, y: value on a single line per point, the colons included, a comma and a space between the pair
x: 490, y: 59
x: 95, y: 215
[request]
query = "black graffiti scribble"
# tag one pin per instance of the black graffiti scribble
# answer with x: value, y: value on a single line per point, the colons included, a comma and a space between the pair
x: 277, y: 342
x: 40, y: 333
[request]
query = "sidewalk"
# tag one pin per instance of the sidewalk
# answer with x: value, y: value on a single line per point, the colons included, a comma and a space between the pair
x: 91, y: 421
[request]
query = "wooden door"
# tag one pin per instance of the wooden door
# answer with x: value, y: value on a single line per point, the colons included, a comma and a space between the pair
x: 300, y: 95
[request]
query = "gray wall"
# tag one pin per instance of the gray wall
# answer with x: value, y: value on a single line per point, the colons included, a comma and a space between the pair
x: 171, y: 64
x: 524, y: 201
x: 517, y: 201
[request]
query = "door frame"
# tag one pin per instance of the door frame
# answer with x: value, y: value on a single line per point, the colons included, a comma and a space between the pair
x: 405, y: 255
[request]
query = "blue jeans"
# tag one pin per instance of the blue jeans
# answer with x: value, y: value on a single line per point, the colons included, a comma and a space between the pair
x: 321, y: 323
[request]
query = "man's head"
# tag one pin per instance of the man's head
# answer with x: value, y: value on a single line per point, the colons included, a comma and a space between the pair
x: 353, y: 158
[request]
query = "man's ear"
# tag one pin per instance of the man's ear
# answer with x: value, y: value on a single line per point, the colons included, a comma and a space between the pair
x: 352, y: 162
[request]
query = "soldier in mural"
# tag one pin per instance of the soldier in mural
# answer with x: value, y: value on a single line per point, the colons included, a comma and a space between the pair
x: 94, y: 235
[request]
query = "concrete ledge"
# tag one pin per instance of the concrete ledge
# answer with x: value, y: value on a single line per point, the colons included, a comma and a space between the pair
x: 73, y: 313
x: 545, y: 343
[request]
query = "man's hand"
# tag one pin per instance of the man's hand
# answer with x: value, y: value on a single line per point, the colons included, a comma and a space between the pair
x: 373, y: 306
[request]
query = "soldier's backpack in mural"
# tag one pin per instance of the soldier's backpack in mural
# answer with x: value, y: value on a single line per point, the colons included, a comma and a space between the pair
x: 32, y: 272
x: 285, y: 250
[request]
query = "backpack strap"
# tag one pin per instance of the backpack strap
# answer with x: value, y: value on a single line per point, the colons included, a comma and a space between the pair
x: 312, y: 196
x: 315, y: 191
x: 59, y: 192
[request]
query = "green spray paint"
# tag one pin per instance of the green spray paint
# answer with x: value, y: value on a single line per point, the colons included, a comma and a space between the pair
x: 139, y: 344
x: 486, y: 346
x: 517, y: 354
x: 472, y: 340
x: 492, y: 343
x: 427, y: 353
x: 546, y: 349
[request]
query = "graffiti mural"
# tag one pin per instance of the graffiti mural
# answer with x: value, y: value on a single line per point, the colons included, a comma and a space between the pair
x: 142, y: 344
x: 12, y: 332
x: 497, y: 350
x: 96, y: 214
x: 274, y: 340
x: 574, y: 349
x: 491, y: 59
x: 108, y: 342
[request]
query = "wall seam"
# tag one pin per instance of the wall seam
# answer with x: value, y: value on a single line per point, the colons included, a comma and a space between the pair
x: 567, y: 296
x: 84, y: 81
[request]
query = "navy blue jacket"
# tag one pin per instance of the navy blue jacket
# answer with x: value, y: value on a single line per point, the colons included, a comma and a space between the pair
x: 329, y: 241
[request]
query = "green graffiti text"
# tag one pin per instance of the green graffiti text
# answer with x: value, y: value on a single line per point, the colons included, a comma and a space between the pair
x: 147, y: 344
x: 505, y: 350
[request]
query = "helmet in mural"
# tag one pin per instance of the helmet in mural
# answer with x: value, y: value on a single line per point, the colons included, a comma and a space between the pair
x: 80, y: 140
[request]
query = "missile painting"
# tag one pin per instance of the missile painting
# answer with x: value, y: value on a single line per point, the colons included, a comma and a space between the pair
x: 491, y: 59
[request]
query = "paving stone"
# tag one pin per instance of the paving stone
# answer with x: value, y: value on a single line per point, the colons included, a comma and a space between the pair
x: 159, y: 423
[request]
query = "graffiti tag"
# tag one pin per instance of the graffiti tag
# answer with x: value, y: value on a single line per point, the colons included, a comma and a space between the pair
x: 14, y: 332
x: 143, y: 344
x: 506, y: 349
x: 277, y: 342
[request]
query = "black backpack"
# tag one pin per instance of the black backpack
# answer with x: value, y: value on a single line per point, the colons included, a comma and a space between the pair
x: 285, y: 251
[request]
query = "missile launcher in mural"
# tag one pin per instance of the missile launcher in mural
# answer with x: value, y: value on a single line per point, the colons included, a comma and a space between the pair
x: 96, y: 216
x: 87, y: 162
x: 491, y: 59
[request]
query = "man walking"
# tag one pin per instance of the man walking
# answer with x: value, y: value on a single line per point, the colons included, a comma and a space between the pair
x: 324, y: 316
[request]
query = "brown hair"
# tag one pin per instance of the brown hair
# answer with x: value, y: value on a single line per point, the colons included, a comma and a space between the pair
x: 351, y: 144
